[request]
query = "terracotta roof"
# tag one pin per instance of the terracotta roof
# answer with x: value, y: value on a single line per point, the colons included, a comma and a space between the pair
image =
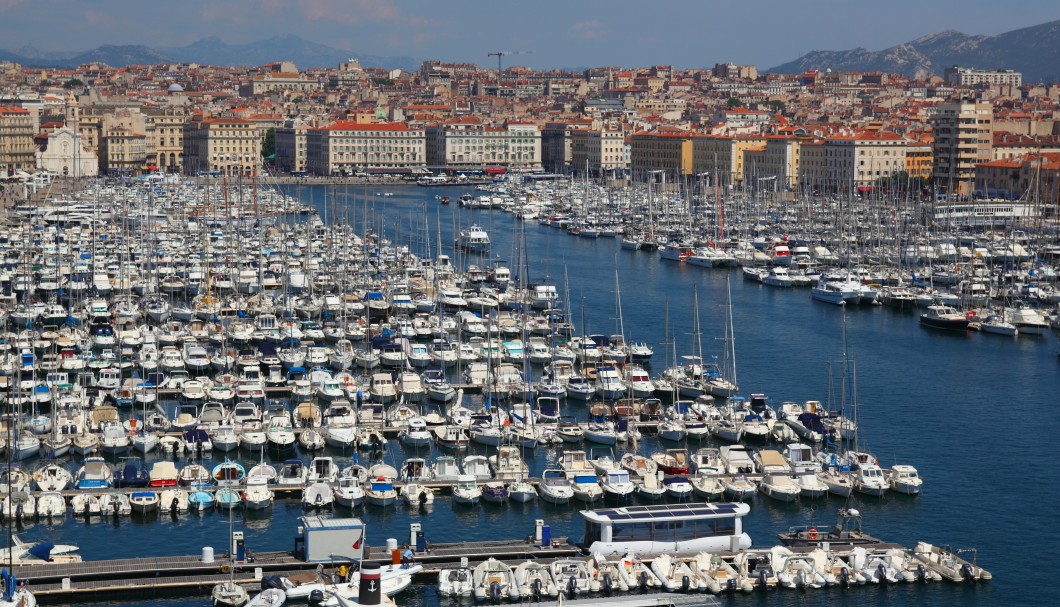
x: 349, y: 125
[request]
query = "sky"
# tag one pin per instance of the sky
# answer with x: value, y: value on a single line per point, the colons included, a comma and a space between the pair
x: 575, y: 33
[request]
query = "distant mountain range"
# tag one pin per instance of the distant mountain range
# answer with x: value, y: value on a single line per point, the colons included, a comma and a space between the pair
x: 1034, y: 51
x: 209, y: 51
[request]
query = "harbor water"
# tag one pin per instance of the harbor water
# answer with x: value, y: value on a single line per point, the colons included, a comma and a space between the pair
x: 972, y: 412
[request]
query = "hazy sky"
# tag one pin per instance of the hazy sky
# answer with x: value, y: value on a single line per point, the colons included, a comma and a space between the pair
x: 686, y: 33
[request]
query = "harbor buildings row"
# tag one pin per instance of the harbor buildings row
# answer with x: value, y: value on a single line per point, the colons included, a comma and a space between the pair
x: 726, y: 126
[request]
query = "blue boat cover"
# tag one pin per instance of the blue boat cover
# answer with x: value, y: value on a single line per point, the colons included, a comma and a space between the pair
x: 43, y: 551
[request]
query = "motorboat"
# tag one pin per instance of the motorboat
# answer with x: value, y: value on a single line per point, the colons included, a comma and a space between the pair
x: 617, y: 485
x: 707, y: 485
x: 796, y: 570
x: 416, y: 494
x: 870, y: 479
x: 586, y: 487
x: 944, y: 317
x: 781, y: 487
x: 535, y: 581
x: 348, y: 491
x: 451, y: 437
x: 717, y: 575
x: 495, y: 581
x: 416, y: 433
x: 257, y: 495
x: 174, y: 501
x: 572, y: 576
x: 675, y: 574
x: 635, y: 573
x: 554, y: 487
x: 905, y: 479
x: 115, y: 504
x: 948, y: 564
x: 144, y: 502
x: 318, y: 496
x: 381, y: 491
x: 466, y: 490
x: 85, y: 504
x: 94, y: 473
x: 51, y: 504
x: 455, y: 582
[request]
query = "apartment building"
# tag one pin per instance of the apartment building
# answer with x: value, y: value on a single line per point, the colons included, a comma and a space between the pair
x: 225, y: 145
x: 774, y: 165
x: 668, y: 153
x: 471, y: 143
x: 347, y: 147
x: 165, y: 139
x: 556, y: 144
x: 291, y: 150
x: 963, y: 138
x: 17, y: 151
x: 966, y: 76
x: 724, y: 157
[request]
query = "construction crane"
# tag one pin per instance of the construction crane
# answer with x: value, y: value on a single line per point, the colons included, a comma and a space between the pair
x: 499, y: 55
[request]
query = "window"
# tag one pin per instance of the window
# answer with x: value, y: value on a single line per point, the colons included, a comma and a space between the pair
x: 592, y: 533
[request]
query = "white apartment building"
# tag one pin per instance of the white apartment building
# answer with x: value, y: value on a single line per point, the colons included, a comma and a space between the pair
x: 350, y: 147
x: 470, y: 143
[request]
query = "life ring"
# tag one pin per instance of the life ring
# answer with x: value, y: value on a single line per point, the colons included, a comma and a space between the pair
x: 812, y: 533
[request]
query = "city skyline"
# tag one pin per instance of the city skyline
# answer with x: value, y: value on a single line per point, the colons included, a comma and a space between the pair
x: 585, y: 34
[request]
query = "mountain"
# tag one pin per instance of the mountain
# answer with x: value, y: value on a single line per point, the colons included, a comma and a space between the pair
x: 1034, y: 51
x: 119, y: 56
x: 209, y: 51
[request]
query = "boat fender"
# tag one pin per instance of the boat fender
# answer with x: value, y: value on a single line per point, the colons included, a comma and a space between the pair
x: 921, y: 573
x: 686, y: 583
x: 535, y: 590
x: 572, y: 586
x: 495, y: 592
x: 844, y: 577
x: 643, y: 581
x: 608, y: 584
x: 966, y: 569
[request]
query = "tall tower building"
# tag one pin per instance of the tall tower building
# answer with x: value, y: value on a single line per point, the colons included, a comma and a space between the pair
x: 963, y: 138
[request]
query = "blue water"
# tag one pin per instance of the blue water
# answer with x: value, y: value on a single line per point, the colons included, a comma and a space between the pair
x: 974, y: 413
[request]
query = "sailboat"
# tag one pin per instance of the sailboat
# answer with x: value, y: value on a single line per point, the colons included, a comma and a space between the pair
x: 14, y: 593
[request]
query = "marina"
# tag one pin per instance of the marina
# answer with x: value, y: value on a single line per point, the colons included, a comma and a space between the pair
x: 797, y: 371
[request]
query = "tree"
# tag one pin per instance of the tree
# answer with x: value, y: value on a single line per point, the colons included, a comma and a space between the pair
x: 732, y: 102
x: 268, y: 147
x: 72, y: 83
x: 777, y: 105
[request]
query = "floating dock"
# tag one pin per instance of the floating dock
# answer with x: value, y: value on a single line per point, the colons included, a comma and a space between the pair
x: 182, y: 575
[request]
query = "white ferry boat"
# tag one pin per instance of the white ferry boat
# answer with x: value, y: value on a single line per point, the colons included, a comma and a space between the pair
x: 666, y: 528
x: 474, y: 240
x: 983, y: 213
